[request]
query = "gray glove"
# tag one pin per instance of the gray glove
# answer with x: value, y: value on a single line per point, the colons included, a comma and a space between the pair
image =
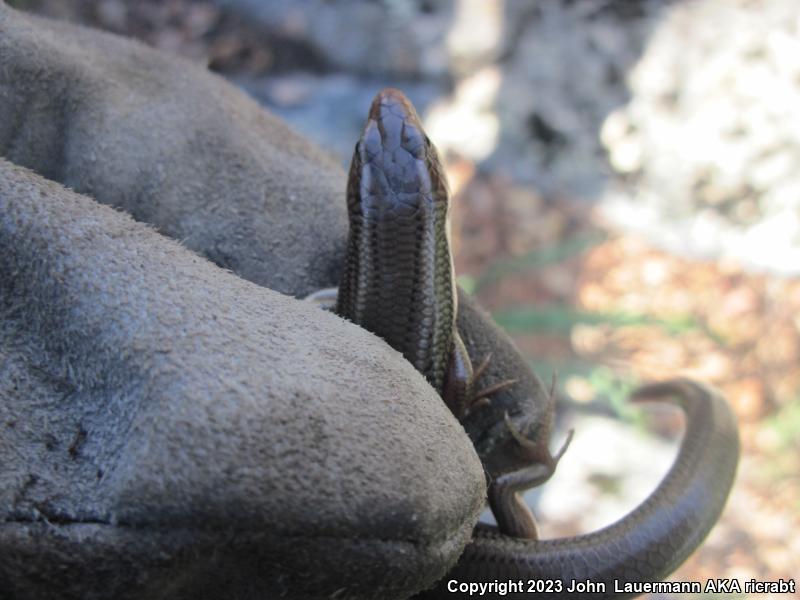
x: 169, y: 429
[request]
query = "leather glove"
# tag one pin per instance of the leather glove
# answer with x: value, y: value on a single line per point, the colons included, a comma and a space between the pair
x: 170, y: 429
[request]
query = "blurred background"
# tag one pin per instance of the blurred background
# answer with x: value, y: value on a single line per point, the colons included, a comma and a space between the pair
x: 626, y: 180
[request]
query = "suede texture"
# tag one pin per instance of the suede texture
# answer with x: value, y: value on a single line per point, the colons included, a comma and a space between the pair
x: 166, y: 424
x: 174, y: 146
x: 169, y: 429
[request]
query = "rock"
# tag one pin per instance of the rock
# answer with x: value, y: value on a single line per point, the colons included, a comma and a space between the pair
x: 708, y: 141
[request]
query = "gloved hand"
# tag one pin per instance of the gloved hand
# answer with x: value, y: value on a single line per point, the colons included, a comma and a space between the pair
x: 169, y: 429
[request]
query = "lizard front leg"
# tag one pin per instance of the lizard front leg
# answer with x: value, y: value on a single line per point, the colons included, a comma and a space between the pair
x: 459, y: 392
x: 457, y: 389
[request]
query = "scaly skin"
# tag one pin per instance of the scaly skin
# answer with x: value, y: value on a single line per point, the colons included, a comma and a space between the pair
x: 398, y: 275
x: 648, y: 543
x: 398, y: 283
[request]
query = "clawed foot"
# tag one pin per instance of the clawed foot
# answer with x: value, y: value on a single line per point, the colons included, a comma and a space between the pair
x: 482, y: 397
x: 538, y: 450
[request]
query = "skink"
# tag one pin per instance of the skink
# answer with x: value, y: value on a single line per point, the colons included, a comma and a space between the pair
x: 398, y: 282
